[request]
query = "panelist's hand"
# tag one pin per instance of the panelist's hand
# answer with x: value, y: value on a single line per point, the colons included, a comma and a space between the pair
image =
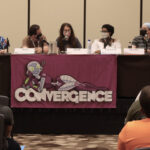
x: 46, y: 49
x: 97, y: 52
x: 148, y: 51
x: 38, y: 50
x: 3, y: 51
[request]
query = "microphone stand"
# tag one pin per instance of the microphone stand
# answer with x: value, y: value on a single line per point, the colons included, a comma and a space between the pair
x: 8, y: 45
x: 44, y: 41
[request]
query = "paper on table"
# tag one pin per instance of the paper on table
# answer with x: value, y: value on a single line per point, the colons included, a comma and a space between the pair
x: 24, y: 51
x: 135, y: 51
x: 111, y: 51
x: 77, y: 51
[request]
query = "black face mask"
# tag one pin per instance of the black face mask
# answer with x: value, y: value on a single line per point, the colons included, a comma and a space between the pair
x: 38, y: 36
x: 143, y: 32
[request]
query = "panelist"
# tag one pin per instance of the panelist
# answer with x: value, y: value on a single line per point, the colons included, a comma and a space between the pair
x: 106, y: 40
x: 3, y: 45
x: 143, y: 40
x: 67, y: 38
x: 36, y: 40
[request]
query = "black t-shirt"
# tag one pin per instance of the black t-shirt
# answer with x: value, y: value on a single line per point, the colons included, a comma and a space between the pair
x: 67, y: 44
x: 12, y: 144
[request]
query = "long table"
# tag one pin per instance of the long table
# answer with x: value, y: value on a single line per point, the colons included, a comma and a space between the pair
x: 133, y: 72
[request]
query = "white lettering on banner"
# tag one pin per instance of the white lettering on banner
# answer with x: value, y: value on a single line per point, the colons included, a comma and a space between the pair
x: 31, y: 95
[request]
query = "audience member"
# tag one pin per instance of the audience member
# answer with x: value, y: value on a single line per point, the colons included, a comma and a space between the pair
x: 9, y: 143
x: 136, y: 134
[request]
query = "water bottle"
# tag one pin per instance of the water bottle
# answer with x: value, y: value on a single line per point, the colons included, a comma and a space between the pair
x: 89, y: 46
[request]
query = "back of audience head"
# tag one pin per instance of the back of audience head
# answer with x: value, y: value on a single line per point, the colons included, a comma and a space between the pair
x: 145, y: 101
x: 8, y: 120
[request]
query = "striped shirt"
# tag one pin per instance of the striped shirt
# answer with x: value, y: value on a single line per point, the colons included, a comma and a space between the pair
x: 140, y: 42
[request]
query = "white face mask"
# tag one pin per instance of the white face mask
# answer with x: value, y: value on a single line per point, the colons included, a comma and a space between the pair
x: 105, y: 35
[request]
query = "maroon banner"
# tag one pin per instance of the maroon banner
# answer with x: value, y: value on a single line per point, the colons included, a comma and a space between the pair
x: 63, y: 81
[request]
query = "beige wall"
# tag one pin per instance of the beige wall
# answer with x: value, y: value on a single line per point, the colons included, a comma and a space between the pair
x: 124, y: 15
x: 146, y: 11
x: 50, y: 14
x: 13, y: 22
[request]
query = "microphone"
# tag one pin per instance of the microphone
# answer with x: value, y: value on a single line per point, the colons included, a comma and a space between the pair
x: 66, y: 36
x: 7, y: 44
x: 44, y: 41
x: 39, y: 36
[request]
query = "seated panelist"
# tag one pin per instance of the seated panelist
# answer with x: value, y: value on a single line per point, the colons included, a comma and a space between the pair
x: 106, y: 40
x: 67, y: 38
x: 36, y: 40
x: 143, y: 40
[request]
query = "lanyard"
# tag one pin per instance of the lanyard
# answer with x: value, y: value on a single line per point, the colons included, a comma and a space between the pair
x: 34, y: 43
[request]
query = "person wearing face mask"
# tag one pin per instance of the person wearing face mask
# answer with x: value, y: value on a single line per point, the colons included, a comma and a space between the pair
x: 36, y: 40
x: 67, y: 38
x: 143, y: 40
x: 106, y: 40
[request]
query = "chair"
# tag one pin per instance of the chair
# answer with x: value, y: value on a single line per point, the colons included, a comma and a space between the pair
x: 4, y: 100
x: 146, y: 148
x: 1, y: 130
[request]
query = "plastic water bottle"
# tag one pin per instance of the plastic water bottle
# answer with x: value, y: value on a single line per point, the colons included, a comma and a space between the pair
x: 89, y: 46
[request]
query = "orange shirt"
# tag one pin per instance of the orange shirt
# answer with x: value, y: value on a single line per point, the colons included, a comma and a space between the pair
x: 135, y: 134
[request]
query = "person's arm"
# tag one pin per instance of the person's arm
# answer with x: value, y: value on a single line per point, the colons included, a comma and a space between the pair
x: 24, y: 43
x: 95, y: 48
x: 45, y: 45
x: 3, y: 51
x: 134, y: 112
x: 134, y: 43
x: 117, y: 44
x: 121, y: 145
x: 78, y: 44
x: 38, y: 50
x: 45, y: 49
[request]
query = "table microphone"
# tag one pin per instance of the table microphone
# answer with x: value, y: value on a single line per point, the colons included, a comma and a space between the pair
x: 8, y: 44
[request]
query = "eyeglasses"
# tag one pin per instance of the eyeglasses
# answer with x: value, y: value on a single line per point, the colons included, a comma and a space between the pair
x: 67, y: 30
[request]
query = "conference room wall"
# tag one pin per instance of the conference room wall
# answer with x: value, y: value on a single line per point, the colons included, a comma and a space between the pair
x: 124, y: 15
x: 50, y: 14
x: 146, y: 11
x: 13, y: 22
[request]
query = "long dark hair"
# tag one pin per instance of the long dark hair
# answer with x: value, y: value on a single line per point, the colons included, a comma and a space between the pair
x: 72, y: 38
